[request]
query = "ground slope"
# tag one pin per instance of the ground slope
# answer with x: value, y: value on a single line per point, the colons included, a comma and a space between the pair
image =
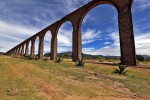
x: 22, y: 79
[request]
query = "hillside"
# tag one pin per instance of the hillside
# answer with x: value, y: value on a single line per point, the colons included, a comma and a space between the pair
x: 22, y: 79
x: 69, y: 54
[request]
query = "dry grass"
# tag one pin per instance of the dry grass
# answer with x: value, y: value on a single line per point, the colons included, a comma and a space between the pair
x: 46, y: 80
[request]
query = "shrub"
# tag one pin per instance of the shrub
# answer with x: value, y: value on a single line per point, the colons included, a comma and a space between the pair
x: 120, y: 70
x: 80, y: 63
x: 58, y: 60
x: 101, y: 59
x: 32, y: 57
x: 139, y: 58
x: 47, y: 54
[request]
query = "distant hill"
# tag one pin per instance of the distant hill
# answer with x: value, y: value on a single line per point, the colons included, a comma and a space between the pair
x: 69, y: 54
x: 145, y: 56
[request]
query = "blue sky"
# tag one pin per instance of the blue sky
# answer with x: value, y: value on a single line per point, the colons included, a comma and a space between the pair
x: 20, y: 19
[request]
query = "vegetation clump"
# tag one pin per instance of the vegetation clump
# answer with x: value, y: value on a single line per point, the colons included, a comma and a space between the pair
x: 80, y: 63
x: 47, y: 54
x: 58, y: 60
x: 120, y: 70
x: 32, y: 57
x: 139, y: 58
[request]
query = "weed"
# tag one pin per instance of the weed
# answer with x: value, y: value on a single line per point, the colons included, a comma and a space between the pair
x: 80, y: 63
x: 58, y: 60
x: 120, y: 70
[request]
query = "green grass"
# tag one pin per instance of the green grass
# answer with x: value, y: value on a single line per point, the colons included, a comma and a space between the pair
x: 41, y: 80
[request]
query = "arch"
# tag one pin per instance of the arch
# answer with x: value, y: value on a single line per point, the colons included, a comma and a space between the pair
x: 66, y: 32
x: 20, y: 49
x: 30, y: 47
x: 61, y: 22
x: 36, y: 46
x: 27, y: 48
x: 15, y: 51
x: 47, y: 44
x: 24, y: 49
x: 126, y: 34
x: 44, y: 33
x: 54, y: 29
x: 97, y: 30
x: 92, y: 5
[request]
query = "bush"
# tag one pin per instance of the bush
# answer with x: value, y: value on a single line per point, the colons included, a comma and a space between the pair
x: 80, y: 63
x: 47, y: 54
x: 58, y: 60
x: 120, y: 70
x: 32, y: 57
x: 139, y: 58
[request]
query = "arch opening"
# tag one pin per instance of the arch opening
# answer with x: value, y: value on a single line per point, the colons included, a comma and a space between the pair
x: 47, y: 45
x: 36, y: 46
x: 29, y: 48
x: 98, y: 3
x: 64, y: 37
x: 100, y: 38
x: 24, y: 49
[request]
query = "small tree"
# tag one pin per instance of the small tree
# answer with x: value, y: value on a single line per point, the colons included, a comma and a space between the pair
x: 139, y: 58
x: 47, y: 54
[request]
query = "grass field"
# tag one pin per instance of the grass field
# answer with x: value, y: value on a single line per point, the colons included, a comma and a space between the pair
x: 22, y: 79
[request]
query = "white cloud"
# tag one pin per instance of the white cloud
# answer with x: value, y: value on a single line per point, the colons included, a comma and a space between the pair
x: 107, y: 38
x: 141, y: 5
x: 106, y: 51
x: 107, y: 42
x: 64, y: 49
x: 90, y: 35
x: 64, y: 37
x: 142, y: 42
x: 137, y: 29
x: 72, y: 5
x: 115, y: 36
x: 106, y: 47
x: 14, y: 29
x: 112, y: 50
x: 13, y: 34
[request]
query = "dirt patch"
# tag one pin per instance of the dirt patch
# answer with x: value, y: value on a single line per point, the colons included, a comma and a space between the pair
x: 48, y: 90
x: 111, y: 98
x: 74, y: 97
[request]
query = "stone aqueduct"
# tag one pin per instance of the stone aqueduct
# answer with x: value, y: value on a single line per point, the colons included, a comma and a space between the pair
x: 126, y: 33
